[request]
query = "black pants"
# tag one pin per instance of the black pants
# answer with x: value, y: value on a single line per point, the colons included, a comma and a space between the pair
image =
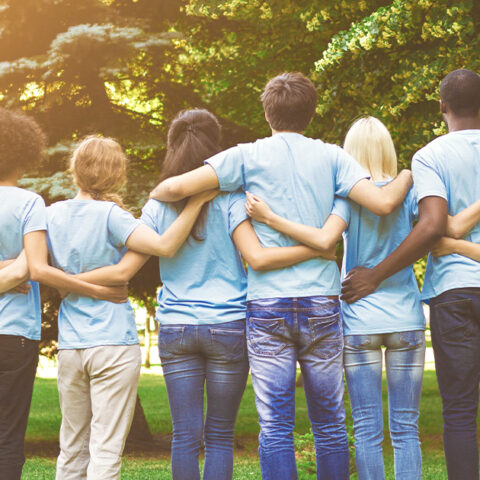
x: 18, y: 364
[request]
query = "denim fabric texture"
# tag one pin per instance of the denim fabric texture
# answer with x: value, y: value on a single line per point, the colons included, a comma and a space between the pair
x: 194, y: 356
x: 18, y: 364
x: 404, y: 361
x: 280, y: 333
x: 455, y: 325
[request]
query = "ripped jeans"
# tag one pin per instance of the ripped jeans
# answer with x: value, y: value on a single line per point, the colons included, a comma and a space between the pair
x: 280, y: 333
x: 404, y: 361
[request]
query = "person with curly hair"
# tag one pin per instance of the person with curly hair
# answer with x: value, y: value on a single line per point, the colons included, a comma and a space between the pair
x: 21, y: 212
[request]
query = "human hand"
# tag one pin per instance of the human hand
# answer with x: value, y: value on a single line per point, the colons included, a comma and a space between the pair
x: 116, y: 294
x: 358, y: 283
x: 445, y: 246
x: 257, y: 209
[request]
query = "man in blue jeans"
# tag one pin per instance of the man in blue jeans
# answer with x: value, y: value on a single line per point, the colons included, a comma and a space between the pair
x: 293, y: 314
x: 447, y: 180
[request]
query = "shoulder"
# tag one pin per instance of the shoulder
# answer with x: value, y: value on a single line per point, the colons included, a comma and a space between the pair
x: 28, y: 197
x: 434, y: 148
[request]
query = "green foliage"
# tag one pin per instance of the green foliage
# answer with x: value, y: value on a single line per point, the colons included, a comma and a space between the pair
x: 390, y: 63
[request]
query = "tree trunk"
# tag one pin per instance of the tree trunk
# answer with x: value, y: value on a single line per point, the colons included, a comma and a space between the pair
x: 140, y: 434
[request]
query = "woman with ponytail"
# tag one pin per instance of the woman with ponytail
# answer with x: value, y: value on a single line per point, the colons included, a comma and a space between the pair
x: 99, y: 356
x: 202, y: 305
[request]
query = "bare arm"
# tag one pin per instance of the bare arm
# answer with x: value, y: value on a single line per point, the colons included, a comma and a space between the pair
x: 382, y: 200
x: 117, y: 274
x: 447, y: 246
x: 6, y: 263
x: 35, y: 244
x: 433, y: 212
x: 183, y: 186
x: 144, y: 240
x: 460, y: 224
x: 322, y: 239
x: 260, y: 258
x: 14, y: 272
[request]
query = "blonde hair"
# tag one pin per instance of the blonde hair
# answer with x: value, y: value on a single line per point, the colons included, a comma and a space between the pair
x: 369, y: 142
x: 99, y: 167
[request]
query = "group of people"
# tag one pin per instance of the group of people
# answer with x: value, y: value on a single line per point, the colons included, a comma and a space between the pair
x: 279, y: 204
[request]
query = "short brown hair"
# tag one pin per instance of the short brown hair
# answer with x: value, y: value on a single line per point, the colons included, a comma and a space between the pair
x: 22, y: 142
x: 289, y: 102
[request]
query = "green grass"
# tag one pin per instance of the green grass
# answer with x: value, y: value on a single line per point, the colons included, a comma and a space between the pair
x: 45, y: 421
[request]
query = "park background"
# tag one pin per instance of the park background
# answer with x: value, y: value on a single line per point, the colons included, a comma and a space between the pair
x: 124, y: 68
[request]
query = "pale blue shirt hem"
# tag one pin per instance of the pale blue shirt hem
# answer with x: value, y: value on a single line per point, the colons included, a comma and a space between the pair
x: 297, y: 293
x: 19, y: 333
x: 434, y: 292
x: 409, y: 328
x: 80, y: 346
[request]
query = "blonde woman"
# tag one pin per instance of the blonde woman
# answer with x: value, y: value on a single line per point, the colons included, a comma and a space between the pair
x: 391, y: 317
x: 99, y: 356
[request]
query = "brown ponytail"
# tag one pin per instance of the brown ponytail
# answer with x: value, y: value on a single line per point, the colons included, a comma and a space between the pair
x: 194, y: 136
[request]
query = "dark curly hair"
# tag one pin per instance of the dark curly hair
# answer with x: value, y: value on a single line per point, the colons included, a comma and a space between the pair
x: 21, y: 142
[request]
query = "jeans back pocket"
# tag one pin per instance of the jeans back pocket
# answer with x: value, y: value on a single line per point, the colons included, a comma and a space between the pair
x: 229, y: 343
x: 170, y: 340
x: 266, y: 336
x: 326, y: 335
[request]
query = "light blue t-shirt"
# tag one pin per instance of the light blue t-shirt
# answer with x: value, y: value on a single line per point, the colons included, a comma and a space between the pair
x: 205, y: 282
x: 21, y: 212
x: 449, y: 167
x: 395, y: 306
x: 84, y: 235
x: 298, y: 177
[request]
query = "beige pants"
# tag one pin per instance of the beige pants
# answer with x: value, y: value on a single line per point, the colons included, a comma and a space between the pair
x: 98, y: 388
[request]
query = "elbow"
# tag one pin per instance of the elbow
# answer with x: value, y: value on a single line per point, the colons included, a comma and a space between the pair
x: 433, y: 233
x: 256, y: 263
x: 454, y: 232
x: 37, y: 273
x: 384, y: 209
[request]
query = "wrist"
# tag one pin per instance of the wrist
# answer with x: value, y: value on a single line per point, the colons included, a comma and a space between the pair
x: 377, y: 275
x: 271, y: 219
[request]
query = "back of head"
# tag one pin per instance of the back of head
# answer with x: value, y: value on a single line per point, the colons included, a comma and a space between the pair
x: 194, y: 136
x: 369, y: 142
x: 289, y: 101
x: 99, y: 167
x: 21, y: 143
x: 460, y: 91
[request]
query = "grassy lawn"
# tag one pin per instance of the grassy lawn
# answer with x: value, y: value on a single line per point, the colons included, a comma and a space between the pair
x: 45, y: 420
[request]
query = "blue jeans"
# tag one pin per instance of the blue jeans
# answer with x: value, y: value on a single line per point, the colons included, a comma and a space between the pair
x: 404, y: 361
x: 192, y: 356
x: 280, y: 333
x: 455, y: 325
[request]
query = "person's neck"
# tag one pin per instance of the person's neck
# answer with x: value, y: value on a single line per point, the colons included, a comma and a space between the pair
x: 81, y: 195
x: 10, y: 181
x: 456, y: 124
x: 274, y: 132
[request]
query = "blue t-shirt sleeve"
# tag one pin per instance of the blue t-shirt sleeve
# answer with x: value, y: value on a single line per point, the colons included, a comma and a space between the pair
x: 426, y: 178
x: 35, y: 216
x: 120, y: 225
x: 341, y: 208
x: 412, y: 204
x: 149, y: 215
x: 228, y: 166
x: 236, y: 211
x: 348, y: 172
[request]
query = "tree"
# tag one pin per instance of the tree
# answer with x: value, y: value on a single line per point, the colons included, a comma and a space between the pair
x: 390, y: 63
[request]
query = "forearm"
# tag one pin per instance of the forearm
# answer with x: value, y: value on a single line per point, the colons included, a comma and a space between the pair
x: 467, y: 249
x: 319, y: 239
x: 461, y: 223
x: 182, y: 186
x: 56, y: 278
x: 118, y: 274
x: 279, y: 257
x: 11, y: 276
x: 6, y: 263
x: 415, y: 246
x: 178, y: 232
x: 382, y: 201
